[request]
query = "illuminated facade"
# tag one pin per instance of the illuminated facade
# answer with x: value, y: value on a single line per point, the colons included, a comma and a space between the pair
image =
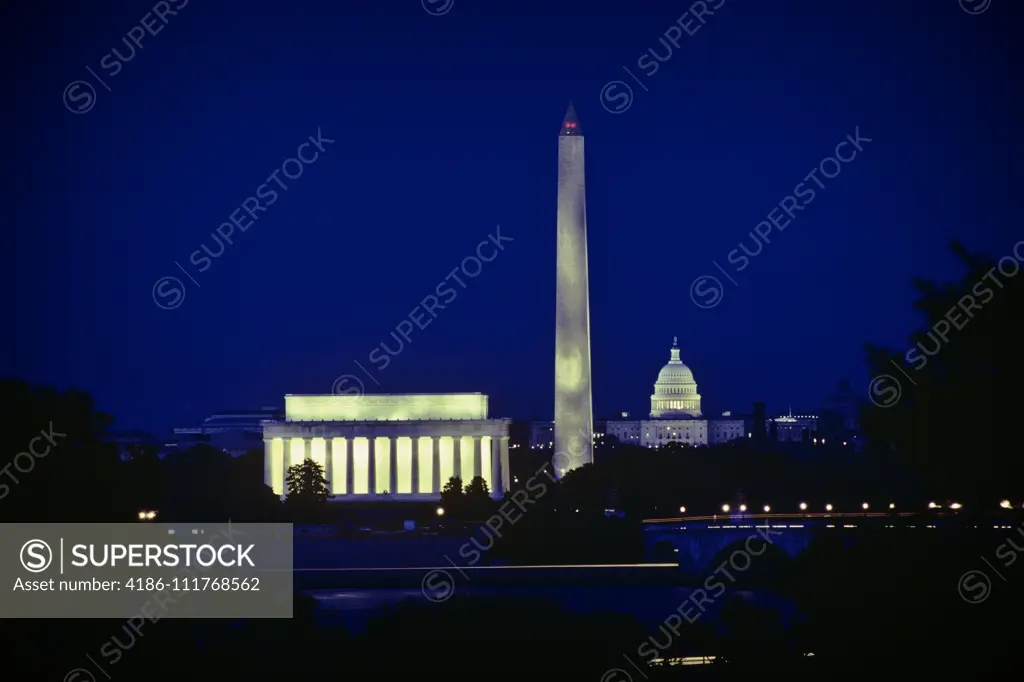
x: 573, y: 433
x: 625, y: 430
x: 675, y: 391
x: 675, y: 413
x: 389, y: 447
x: 795, y: 429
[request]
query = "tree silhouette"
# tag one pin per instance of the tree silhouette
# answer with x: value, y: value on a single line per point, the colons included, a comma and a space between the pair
x: 307, y: 487
x: 452, y: 496
x: 204, y: 482
x: 476, y: 500
x: 55, y: 465
x: 585, y: 488
x: 477, y: 489
x: 61, y: 466
x: 946, y: 404
x: 144, y: 476
x: 307, y: 483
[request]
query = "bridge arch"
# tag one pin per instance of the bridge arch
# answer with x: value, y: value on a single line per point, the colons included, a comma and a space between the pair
x: 751, y: 559
x: 702, y: 550
x: 664, y: 552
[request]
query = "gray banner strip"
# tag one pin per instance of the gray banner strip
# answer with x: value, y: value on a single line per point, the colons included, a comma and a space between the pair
x: 146, y: 571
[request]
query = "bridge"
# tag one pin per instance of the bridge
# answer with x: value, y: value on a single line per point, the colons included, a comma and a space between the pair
x: 701, y: 543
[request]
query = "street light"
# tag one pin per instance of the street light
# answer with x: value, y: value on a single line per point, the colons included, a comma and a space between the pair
x: 828, y: 507
x: 725, y: 508
x: 682, y: 510
x: 864, y: 506
x: 892, y: 506
x: 767, y: 508
x: 743, y: 507
x: 956, y: 505
x: 803, y: 506
x: 932, y: 505
x: 440, y: 511
x: 1005, y: 504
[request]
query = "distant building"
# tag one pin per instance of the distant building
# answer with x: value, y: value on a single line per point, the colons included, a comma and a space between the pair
x: 676, y: 413
x: 542, y: 433
x: 234, y: 432
x: 625, y: 430
x: 795, y: 428
x: 519, y: 434
x: 726, y: 429
x: 676, y: 416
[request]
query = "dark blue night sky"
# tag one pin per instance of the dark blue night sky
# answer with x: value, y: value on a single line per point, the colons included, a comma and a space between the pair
x: 445, y: 127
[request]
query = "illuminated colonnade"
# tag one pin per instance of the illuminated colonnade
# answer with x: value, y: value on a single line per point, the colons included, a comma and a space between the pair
x: 401, y: 459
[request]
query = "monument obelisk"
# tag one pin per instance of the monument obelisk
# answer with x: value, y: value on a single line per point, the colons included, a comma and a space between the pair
x: 574, y: 444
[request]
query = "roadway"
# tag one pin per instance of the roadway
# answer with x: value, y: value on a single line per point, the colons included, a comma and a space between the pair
x: 829, y: 520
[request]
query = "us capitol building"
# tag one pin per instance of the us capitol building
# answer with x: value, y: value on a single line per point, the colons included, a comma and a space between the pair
x: 675, y: 414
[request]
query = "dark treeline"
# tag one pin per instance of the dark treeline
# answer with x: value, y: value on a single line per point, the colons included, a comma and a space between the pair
x: 650, y: 483
x: 954, y: 421
x: 77, y: 475
x: 58, y: 465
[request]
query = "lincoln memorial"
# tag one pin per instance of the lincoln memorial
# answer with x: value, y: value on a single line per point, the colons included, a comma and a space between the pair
x: 389, y: 447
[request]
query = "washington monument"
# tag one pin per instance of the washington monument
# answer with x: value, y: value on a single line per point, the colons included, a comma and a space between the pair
x: 574, y: 445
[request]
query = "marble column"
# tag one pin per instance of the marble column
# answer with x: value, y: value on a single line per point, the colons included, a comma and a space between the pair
x: 350, y: 466
x: 415, y: 448
x: 393, y: 468
x: 435, y: 451
x: 457, y: 458
x: 371, y: 449
x: 496, y: 480
x: 328, y: 464
x: 504, y: 464
x: 478, y: 468
x: 286, y: 446
x: 268, y: 461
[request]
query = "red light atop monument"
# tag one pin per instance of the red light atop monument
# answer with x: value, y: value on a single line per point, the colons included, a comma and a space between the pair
x: 570, y: 124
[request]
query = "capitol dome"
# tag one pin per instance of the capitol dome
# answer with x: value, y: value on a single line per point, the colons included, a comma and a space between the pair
x: 675, y: 391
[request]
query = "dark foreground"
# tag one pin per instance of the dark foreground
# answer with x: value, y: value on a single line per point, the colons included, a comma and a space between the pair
x: 466, y: 638
x: 886, y: 607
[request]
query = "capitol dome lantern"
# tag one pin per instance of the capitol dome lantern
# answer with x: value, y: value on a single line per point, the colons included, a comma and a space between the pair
x: 675, y: 391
